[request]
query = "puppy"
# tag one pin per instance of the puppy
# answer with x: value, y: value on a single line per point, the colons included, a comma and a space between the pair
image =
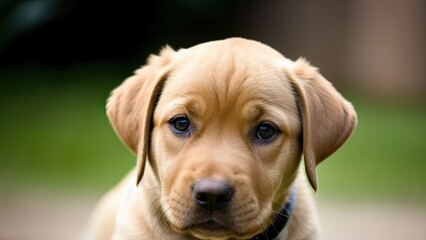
x: 219, y: 130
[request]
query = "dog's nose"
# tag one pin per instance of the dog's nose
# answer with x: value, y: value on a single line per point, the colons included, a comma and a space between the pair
x: 212, y: 195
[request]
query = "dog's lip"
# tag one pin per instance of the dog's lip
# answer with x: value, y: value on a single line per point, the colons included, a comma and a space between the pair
x: 211, y: 225
x: 215, y: 228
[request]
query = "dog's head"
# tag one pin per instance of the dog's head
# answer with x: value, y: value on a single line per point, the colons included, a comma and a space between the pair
x: 224, y: 124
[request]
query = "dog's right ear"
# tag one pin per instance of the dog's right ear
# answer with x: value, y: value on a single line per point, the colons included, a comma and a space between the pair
x: 131, y: 105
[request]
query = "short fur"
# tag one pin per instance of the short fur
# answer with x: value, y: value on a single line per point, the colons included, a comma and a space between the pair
x: 226, y: 88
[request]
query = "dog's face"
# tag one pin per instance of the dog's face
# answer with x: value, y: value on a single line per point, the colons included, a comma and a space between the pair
x: 230, y: 123
x: 225, y: 124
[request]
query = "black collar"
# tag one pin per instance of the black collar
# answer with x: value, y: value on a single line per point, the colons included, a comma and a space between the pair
x: 281, y: 219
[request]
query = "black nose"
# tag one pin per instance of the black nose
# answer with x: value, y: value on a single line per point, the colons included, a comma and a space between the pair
x: 211, y: 194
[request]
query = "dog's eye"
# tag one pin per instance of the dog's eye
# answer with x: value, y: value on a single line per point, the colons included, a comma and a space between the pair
x: 265, y: 131
x: 180, y: 124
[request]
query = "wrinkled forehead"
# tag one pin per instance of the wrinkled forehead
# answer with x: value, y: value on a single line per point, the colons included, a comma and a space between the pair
x: 229, y: 70
x: 225, y: 80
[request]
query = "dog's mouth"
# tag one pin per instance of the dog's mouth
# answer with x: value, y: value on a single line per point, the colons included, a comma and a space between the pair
x: 211, y: 226
x: 211, y: 220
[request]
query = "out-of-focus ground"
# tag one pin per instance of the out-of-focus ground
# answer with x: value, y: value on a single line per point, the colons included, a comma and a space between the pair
x: 372, y: 220
x: 63, y: 217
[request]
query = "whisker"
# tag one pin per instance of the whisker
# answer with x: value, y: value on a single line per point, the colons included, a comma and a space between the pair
x: 163, y: 220
x: 262, y: 225
x: 157, y: 212
x: 152, y: 217
x: 271, y: 222
x: 279, y: 203
x: 154, y: 188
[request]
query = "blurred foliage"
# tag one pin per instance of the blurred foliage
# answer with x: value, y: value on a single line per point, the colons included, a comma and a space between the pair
x: 384, y: 157
x: 55, y: 135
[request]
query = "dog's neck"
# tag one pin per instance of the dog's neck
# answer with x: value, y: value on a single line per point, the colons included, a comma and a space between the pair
x: 281, y: 219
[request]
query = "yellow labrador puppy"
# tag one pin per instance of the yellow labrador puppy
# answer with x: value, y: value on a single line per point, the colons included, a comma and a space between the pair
x: 219, y: 130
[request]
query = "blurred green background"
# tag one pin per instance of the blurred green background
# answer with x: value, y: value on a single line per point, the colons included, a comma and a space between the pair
x: 60, y: 59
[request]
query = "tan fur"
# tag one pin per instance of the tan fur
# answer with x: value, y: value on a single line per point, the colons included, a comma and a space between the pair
x: 226, y: 88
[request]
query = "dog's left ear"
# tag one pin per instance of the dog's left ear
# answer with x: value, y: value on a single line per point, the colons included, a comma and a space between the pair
x: 131, y: 105
x: 327, y: 118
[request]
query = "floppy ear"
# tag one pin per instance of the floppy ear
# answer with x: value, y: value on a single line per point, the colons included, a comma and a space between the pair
x: 327, y: 118
x: 131, y: 105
